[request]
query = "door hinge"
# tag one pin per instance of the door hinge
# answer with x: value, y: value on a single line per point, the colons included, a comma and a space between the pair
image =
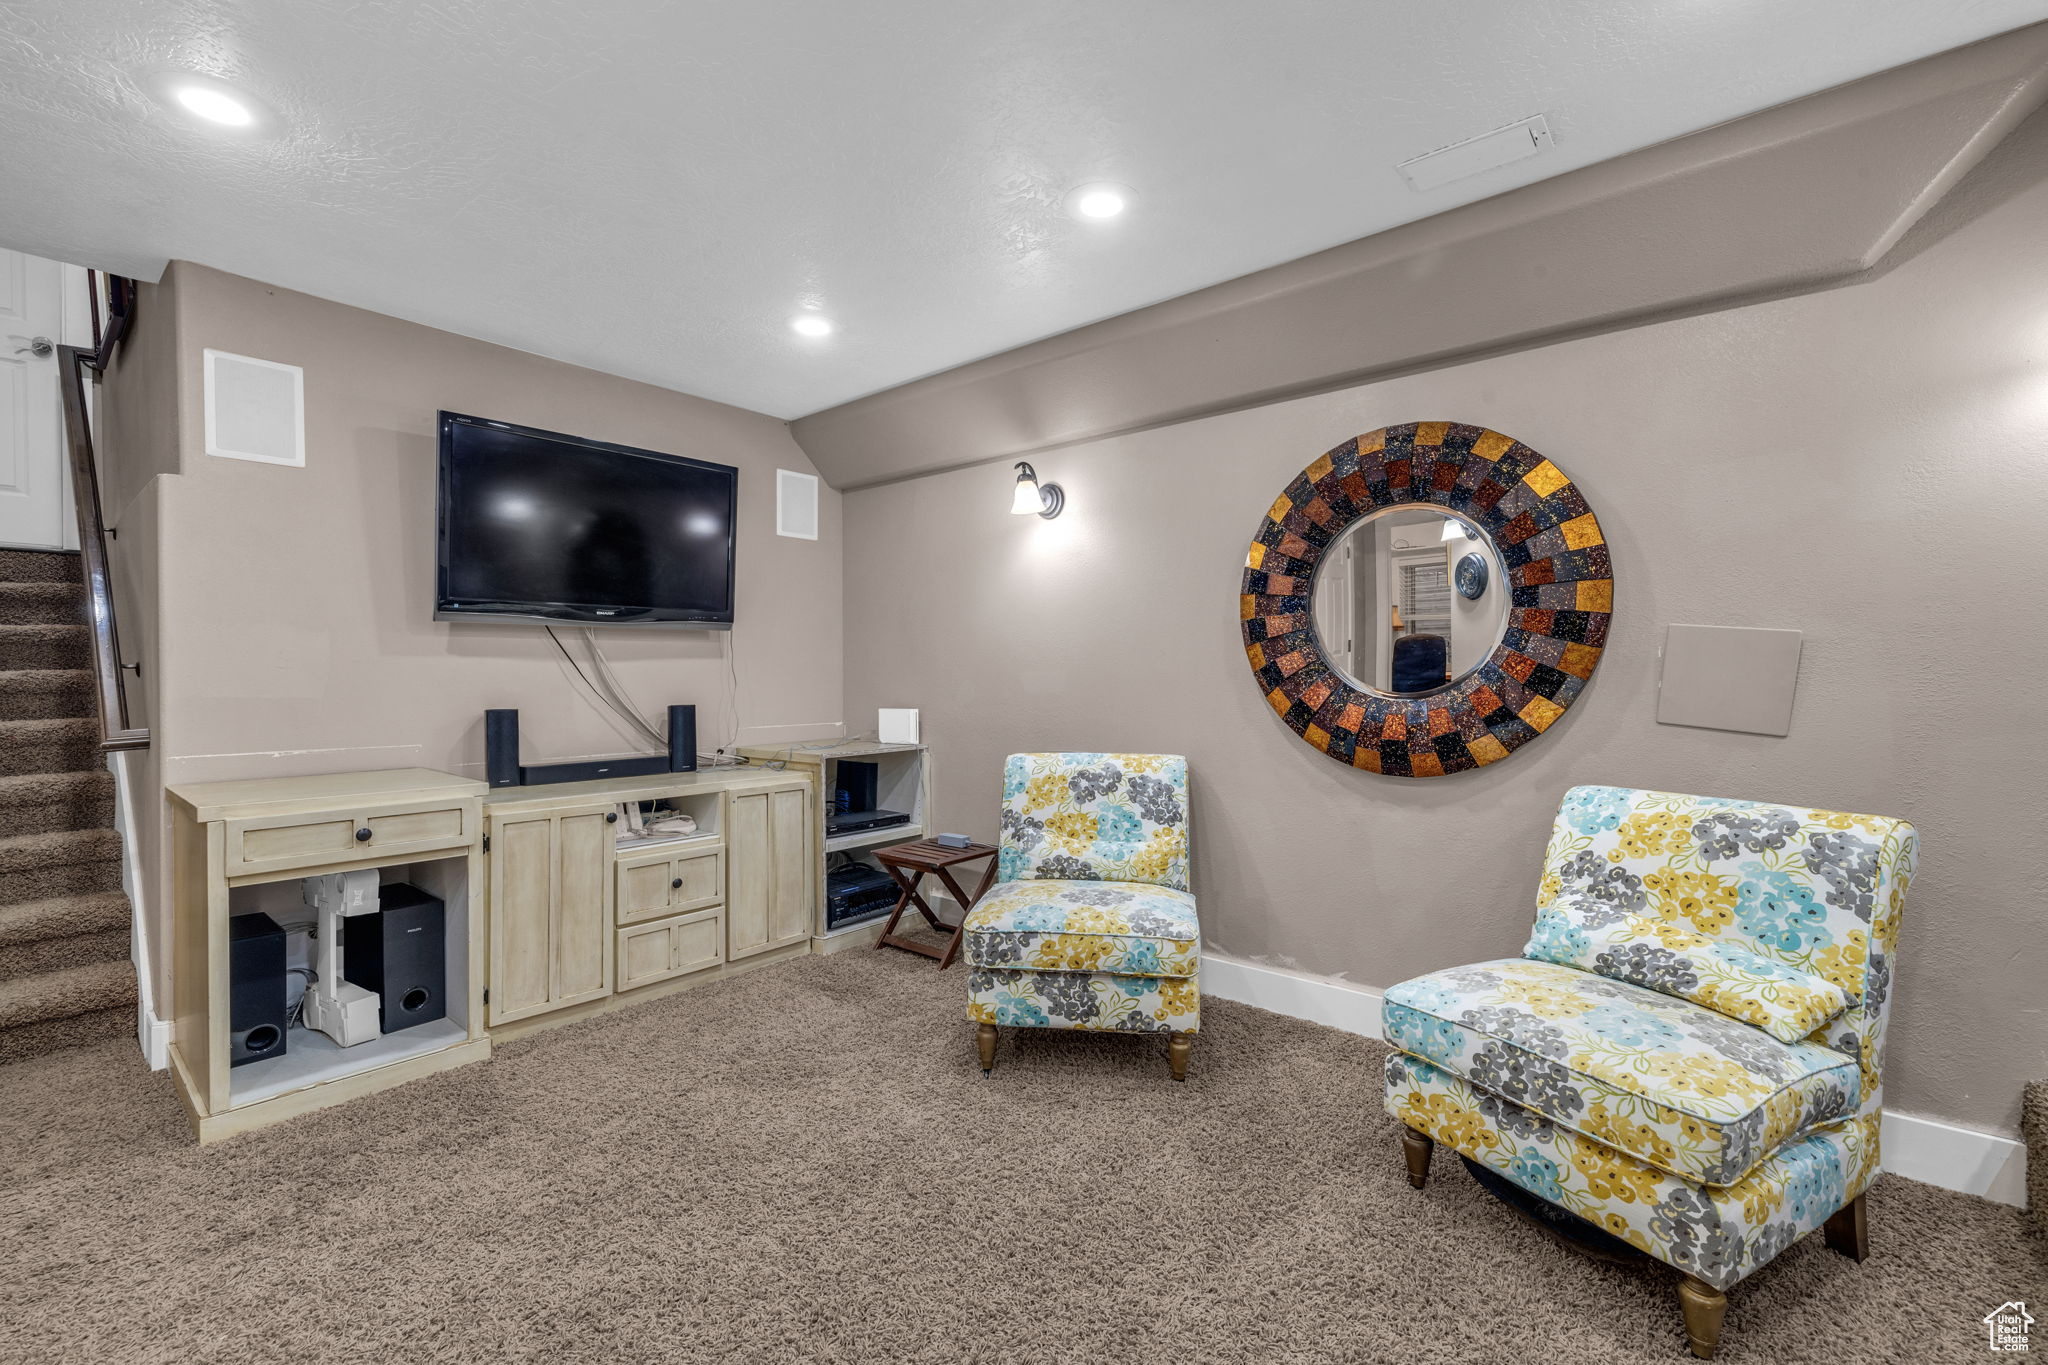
x: 487, y: 843
x: 487, y: 995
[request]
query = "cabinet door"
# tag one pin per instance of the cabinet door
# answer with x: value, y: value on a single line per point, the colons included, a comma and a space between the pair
x: 749, y: 858
x: 646, y: 954
x: 583, y: 909
x: 768, y: 871
x: 644, y: 891
x: 697, y: 881
x: 522, y: 903
x: 789, y: 881
x: 669, y: 948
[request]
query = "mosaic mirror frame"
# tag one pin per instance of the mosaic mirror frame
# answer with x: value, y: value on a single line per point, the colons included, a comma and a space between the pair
x: 1556, y: 562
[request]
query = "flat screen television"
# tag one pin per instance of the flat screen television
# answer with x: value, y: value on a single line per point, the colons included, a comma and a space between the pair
x: 538, y: 526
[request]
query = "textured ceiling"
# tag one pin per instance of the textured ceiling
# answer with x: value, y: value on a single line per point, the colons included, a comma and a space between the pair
x: 654, y: 189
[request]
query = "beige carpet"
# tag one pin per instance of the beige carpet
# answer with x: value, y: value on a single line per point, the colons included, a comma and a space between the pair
x: 804, y: 1164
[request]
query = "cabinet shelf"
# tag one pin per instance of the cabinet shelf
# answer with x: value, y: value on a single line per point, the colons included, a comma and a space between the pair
x: 874, y: 838
x: 312, y: 1058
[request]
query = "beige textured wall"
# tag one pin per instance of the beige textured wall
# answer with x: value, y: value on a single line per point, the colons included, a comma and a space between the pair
x: 302, y: 632
x: 296, y: 605
x: 1841, y: 463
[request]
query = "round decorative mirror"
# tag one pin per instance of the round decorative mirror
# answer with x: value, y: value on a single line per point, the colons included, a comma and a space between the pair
x: 1426, y: 598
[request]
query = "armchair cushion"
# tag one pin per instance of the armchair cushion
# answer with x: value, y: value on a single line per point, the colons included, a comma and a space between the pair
x: 1675, y: 1084
x: 1085, y: 926
x: 1718, y: 1232
x: 1664, y: 956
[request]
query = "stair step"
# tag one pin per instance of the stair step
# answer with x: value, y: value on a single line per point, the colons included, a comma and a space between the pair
x: 50, y: 803
x: 42, y: 604
x: 49, y: 746
x: 40, y: 566
x: 37, y: 867
x: 66, y: 994
x: 68, y: 1008
x: 47, y: 694
x: 54, y: 1035
x: 20, y: 960
x: 45, y: 646
x: 62, y: 917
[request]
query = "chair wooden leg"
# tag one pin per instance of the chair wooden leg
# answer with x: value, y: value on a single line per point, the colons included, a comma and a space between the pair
x: 1178, y: 1046
x: 1703, y: 1306
x: 985, y: 1040
x: 1849, y: 1230
x: 1417, y: 1147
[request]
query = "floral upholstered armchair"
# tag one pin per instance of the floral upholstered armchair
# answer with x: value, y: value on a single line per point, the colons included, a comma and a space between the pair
x: 1091, y: 925
x: 1689, y: 1054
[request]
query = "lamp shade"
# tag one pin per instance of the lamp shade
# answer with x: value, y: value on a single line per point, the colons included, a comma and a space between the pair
x: 1027, y: 501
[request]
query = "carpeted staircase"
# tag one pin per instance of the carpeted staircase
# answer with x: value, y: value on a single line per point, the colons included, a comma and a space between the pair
x: 65, y: 977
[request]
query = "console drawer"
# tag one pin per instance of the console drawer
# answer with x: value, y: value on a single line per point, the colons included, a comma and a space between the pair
x: 279, y: 842
x: 661, y: 949
x: 654, y: 885
x: 258, y: 845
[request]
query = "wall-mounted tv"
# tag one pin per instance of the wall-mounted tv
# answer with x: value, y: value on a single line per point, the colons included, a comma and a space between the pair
x: 538, y: 526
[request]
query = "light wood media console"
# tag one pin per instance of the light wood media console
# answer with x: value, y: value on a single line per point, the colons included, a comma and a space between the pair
x: 550, y: 916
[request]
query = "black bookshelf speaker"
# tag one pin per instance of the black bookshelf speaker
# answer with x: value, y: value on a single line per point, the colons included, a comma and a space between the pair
x: 682, y: 739
x: 401, y: 952
x: 255, y: 988
x: 501, y: 748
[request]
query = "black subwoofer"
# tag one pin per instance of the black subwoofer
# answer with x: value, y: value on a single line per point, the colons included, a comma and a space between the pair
x: 401, y: 953
x: 255, y: 988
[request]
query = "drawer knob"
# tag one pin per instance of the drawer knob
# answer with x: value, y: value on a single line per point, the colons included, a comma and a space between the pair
x: 611, y: 817
x: 676, y: 885
x: 362, y: 836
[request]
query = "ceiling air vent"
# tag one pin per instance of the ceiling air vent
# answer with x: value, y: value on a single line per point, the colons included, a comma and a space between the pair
x: 1516, y: 142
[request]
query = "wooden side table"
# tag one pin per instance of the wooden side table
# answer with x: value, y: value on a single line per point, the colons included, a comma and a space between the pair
x: 909, y: 864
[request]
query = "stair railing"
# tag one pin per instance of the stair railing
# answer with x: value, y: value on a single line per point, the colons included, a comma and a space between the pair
x: 117, y: 730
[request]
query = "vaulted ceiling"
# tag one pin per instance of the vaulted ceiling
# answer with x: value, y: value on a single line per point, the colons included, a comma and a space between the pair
x: 658, y: 189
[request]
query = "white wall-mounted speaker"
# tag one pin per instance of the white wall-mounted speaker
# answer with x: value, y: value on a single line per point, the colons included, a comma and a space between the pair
x: 796, y: 504
x: 1729, y: 678
x: 255, y: 409
x: 896, y: 725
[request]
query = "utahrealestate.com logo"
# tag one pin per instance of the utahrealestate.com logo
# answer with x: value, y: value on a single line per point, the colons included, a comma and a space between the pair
x: 2008, y: 1324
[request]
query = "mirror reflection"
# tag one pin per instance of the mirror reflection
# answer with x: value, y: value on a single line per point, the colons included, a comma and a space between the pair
x: 1409, y: 600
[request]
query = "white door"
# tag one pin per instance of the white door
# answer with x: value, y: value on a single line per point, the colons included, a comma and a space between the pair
x: 35, y: 499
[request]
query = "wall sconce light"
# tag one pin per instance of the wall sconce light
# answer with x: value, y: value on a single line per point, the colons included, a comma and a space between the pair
x: 1031, y: 496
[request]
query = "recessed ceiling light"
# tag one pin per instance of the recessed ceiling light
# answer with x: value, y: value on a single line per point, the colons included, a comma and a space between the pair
x: 810, y: 325
x: 1098, y: 202
x: 216, y: 106
x: 209, y: 99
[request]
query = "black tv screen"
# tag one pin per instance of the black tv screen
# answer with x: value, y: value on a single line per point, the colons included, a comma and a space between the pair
x: 538, y: 526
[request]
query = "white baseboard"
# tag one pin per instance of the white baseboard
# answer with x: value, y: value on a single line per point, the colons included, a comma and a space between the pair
x: 1919, y: 1148
x: 152, y: 1034
x: 1318, y: 999
x: 1954, y: 1158
x: 155, y: 1036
